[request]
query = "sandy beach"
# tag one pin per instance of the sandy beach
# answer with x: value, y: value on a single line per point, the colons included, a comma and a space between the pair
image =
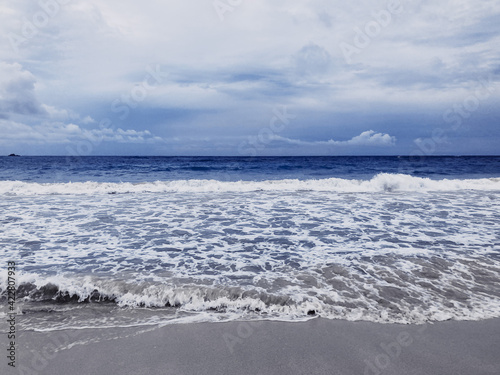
x: 318, y: 346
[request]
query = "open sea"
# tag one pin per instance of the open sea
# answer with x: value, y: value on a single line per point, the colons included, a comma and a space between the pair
x: 127, y: 241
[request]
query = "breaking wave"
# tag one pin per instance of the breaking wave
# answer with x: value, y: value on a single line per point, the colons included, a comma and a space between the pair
x: 351, y: 297
x: 381, y: 183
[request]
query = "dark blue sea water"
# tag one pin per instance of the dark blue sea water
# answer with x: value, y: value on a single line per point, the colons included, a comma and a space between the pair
x: 120, y: 241
x: 147, y: 169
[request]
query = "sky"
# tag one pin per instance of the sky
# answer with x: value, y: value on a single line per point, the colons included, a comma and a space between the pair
x: 249, y: 77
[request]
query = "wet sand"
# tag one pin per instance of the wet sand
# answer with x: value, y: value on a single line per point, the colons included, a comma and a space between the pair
x: 319, y: 346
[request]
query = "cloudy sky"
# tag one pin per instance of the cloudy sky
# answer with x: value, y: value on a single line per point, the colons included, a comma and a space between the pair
x: 249, y: 77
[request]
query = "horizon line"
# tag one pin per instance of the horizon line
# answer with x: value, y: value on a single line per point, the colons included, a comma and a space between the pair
x: 257, y: 156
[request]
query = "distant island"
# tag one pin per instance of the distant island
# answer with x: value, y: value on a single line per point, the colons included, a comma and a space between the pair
x: 14, y: 155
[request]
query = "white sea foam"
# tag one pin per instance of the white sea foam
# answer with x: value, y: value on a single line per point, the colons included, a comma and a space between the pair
x: 404, y: 250
x: 380, y: 183
x: 375, y: 291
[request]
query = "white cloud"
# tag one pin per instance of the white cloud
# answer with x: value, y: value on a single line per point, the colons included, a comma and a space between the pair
x: 367, y: 138
x: 88, y: 120
x: 60, y: 133
x: 312, y: 61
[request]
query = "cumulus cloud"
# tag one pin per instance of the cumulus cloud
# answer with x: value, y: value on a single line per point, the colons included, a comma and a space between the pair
x: 17, y: 91
x: 312, y: 60
x: 60, y: 133
x: 64, y: 115
x: 18, y: 96
x: 367, y: 138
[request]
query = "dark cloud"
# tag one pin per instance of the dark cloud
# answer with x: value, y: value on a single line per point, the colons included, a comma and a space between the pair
x: 222, y: 80
x: 17, y: 91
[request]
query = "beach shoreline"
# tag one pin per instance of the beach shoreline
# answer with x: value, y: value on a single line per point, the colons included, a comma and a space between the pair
x: 318, y: 346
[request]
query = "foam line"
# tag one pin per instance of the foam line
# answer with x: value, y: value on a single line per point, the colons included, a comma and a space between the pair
x: 381, y: 183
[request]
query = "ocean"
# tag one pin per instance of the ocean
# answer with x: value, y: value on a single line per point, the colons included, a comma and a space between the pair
x: 127, y: 241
